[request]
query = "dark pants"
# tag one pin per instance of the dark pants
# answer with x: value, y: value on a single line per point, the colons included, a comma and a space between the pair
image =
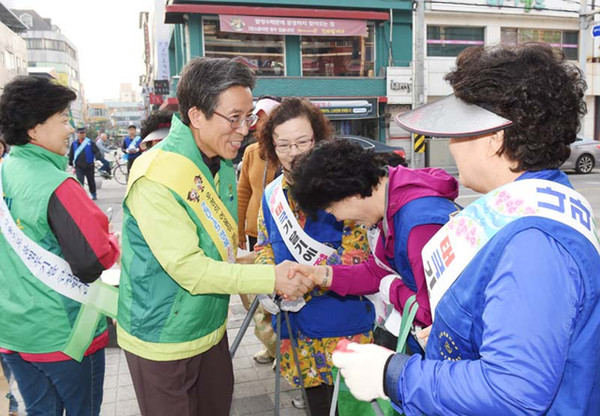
x: 129, y: 163
x: 48, y: 389
x: 319, y: 400
x: 105, y: 165
x: 200, y: 385
x: 251, y: 243
x: 13, y: 405
x: 87, y: 173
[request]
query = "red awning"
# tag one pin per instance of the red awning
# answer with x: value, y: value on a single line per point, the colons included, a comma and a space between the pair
x: 174, y: 12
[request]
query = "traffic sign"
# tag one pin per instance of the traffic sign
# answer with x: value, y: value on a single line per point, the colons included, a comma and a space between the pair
x: 596, y: 31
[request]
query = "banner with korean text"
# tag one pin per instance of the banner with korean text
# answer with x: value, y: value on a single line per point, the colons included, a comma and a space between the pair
x: 266, y: 25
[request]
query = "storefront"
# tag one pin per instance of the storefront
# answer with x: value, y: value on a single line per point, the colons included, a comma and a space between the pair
x: 334, y: 56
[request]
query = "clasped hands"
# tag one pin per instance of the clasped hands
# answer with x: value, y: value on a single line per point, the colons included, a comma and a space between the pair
x: 293, y: 280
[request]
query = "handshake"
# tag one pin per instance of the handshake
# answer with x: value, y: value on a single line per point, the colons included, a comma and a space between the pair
x: 293, y: 280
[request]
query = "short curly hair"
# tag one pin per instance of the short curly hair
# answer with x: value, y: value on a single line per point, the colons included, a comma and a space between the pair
x: 535, y: 87
x: 157, y: 119
x: 28, y: 101
x: 289, y: 109
x: 333, y: 171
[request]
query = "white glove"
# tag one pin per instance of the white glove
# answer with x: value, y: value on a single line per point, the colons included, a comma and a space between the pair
x: 384, y: 287
x: 362, y: 366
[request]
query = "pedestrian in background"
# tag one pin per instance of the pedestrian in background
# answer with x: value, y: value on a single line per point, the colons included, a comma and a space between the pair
x: 179, y: 249
x: 82, y: 154
x: 256, y: 173
x: 102, y: 143
x: 515, y: 288
x: 55, y: 354
x: 131, y: 146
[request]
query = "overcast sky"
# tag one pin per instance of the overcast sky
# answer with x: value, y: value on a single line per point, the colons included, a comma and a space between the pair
x: 107, y: 36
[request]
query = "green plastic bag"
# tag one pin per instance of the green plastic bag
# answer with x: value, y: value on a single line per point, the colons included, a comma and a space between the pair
x: 347, y: 404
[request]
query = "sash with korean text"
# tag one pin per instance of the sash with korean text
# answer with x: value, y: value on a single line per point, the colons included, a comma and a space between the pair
x: 453, y: 247
x: 304, y: 248
x: 183, y: 177
x: 96, y: 298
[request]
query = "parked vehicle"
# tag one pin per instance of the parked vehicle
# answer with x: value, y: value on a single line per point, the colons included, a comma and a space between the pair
x: 584, y: 155
x: 378, y: 147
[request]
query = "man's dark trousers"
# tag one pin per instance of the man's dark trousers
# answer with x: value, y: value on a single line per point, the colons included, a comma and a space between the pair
x: 87, y: 173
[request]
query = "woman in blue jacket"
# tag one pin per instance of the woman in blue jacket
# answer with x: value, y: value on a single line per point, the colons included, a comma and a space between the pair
x: 285, y: 232
x: 513, y: 278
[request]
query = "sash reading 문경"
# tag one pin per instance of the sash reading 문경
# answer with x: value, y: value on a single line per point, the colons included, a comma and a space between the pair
x: 453, y: 247
x: 304, y: 248
x: 96, y: 298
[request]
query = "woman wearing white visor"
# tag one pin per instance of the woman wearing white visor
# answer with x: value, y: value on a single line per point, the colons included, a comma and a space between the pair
x: 513, y: 278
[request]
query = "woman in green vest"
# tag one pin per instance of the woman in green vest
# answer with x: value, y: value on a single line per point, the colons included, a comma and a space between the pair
x: 50, y: 232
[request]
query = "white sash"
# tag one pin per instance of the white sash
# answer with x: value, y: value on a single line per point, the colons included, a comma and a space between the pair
x: 55, y: 272
x: 304, y: 248
x: 386, y: 316
x: 453, y: 247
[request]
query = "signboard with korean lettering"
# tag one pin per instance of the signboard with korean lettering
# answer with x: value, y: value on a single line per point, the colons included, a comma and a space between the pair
x: 161, y: 87
x: 266, y: 25
x: 348, y: 109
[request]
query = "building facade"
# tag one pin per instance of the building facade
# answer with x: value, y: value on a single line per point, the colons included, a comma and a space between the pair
x: 453, y: 26
x: 48, y: 48
x: 13, y: 49
x: 332, y: 53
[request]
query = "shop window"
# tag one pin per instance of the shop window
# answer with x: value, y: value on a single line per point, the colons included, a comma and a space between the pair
x: 452, y: 40
x: 566, y: 41
x: 263, y: 53
x: 343, y: 56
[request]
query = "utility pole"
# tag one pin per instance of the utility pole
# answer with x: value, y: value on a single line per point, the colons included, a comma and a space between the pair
x: 417, y: 159
x: 583, y: 36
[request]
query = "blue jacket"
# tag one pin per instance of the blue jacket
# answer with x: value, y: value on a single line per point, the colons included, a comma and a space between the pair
x: 127, y: 142
x: 86, y: 157
x: 517, y: 333
x: 347, y: 315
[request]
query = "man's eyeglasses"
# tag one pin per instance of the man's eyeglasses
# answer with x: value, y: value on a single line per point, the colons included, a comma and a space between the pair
x: 301, y: 145
x: 237, y: 122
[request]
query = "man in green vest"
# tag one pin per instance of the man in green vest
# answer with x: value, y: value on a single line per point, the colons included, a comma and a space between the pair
x: 179, y: 245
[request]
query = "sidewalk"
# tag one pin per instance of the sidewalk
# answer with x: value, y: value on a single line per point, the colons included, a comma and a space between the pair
x: 254, y: 389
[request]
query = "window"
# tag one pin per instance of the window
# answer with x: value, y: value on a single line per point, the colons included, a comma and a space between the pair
x: 344, y: 56
x: 263, y: 53
x: 566, y: 41
x: 33, y: 43
x: 452, y: 40
x: 10, y: 61
x: 55, y: 45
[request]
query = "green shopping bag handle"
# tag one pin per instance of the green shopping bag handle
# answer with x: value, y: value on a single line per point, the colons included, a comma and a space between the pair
x: 408, y: 316
x: 411, y: 306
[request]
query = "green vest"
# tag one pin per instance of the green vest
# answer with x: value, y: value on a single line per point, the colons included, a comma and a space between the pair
x: 152, y: 306
x: 35, y: 318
